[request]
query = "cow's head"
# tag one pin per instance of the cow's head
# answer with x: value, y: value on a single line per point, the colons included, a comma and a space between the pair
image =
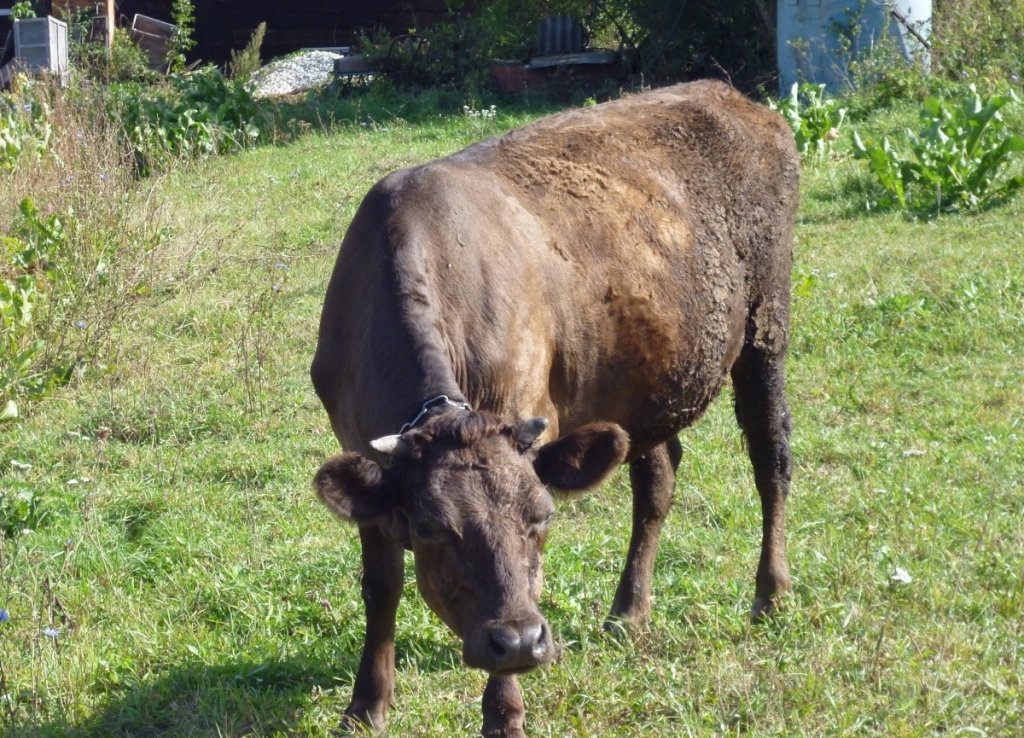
x: 468, y: 493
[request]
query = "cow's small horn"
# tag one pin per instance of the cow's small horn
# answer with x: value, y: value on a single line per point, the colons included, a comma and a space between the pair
x: 386, y: 444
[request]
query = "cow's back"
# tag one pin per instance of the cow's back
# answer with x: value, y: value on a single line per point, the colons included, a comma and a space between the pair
x: 603, y: 263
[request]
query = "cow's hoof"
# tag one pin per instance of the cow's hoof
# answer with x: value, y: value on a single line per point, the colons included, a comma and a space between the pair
x: 762, y: 609
x: 363, y: 720
x: 625, y: 624
x: 617, y: 628
x: 506, y: 731
x: 507, y: 725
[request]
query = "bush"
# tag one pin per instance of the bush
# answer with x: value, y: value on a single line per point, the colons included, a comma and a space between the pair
x: 980, y: 40
x: 972, y: 40
x: 23, y: 9
x: 89, y: 57
x: 125, y: 62
x: 956, y: 158
x: 193, y: 114
x: 660, y: 41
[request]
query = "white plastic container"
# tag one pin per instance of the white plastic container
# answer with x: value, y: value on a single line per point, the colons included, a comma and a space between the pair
x: 810, y: 33
x: 41, y: 45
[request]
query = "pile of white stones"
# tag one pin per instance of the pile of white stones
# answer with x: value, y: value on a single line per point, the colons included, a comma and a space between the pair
x: 295, y: 73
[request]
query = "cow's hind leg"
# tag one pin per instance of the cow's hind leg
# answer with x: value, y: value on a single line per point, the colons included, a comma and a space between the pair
x: 383, y: 576
x: 653, y: 481
x: 759, y: 381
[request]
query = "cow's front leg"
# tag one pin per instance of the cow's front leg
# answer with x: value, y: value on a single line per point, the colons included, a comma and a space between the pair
x: 503, y: 708
x: 653, y: 481
x: 383, y: 571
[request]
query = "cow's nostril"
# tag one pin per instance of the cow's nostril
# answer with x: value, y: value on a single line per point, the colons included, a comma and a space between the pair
x: 503, y: 642
x: 517, y: 645
x: 540, y: 642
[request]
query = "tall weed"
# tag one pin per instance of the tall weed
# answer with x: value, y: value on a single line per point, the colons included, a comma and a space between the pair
x: 183, y: 13
x: 82, y: 240
x: 246, y: 62
x: 956, y: 158
x: 24, y: 127
x: 813, y: 116
x: 30, y: 273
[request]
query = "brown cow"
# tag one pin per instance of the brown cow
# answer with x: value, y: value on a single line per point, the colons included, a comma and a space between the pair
x: 512, y: 312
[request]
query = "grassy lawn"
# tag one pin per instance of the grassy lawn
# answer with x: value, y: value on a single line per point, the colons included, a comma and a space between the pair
x: 174, y: 575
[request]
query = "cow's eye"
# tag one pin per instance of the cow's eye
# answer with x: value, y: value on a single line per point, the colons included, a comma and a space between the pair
x: 428, y: 531
x: 539, y: 526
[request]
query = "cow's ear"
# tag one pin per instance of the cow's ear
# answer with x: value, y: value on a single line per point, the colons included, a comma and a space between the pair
x: 583, y: 458
x: 355, y: 488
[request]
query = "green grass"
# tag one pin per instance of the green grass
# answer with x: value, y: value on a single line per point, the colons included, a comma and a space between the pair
x: 200, y: 590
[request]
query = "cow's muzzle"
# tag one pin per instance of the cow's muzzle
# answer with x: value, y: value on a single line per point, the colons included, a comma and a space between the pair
x: 510, y: 647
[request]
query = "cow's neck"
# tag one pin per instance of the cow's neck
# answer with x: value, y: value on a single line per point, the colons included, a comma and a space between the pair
x: 430, y: 374
x: 423, y: 387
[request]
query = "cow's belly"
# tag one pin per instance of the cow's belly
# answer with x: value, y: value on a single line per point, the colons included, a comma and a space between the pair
x: 652, y: 367
x: 664, y: 404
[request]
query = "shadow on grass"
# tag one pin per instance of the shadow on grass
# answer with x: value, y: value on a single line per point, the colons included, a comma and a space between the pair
x: 203, y: 699
x: 327, y: 111
x: 857, y: 196
x: 241, y: 697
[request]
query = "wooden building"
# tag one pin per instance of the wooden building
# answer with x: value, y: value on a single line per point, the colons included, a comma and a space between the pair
x: 223, y: 25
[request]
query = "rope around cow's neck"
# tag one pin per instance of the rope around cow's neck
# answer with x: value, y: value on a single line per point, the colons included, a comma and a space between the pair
x: 430, y: 405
